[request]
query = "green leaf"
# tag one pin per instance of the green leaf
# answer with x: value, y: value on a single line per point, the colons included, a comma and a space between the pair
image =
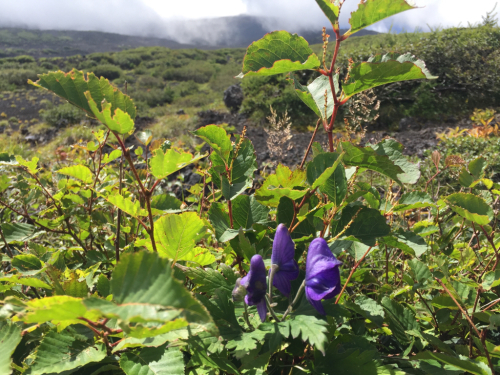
x: 232, y: 190
x: 31, y: 166
x: 209, y: 280
x: 26, y: 262
x: 10, y: 337
x: 72, y: 87
x: 217, y: 138
x: 400, y: 320
x: 113, y: 155
x: 491, y: 279
x: 164, y: 164
x: 331, y: 10
x: 247, y: 211
x: 367, y: 157
x: 326, y: 172
x: 278, y: 52
x: 4, y: 182
x: 80, y: 172
x: 103, y: 285
x: 199, y: 255
x: 244, y: 164
x: 460, y: 362
x: 380, y: 70
x: 117, y: 121
x: 310, y: 329
x: 146, y: 278
x: 219, y: 219
x: 394, y: 151
x: 153, y: 361
x: 372, y: 11
x: 72, y: 348
x: 56, y: 309
x: 178, y: 234
x: 247, y: 341
x: 314, y: 95
x: 17, y: 232
x: 28, y: 281
x: 369, y: 309
x: 280, y: 185
x: 476, y: 167
x: 359, y: 229
x: 407, y: 241
x: 413, y: 200
x: 420, y: 271
x: 471, y: 207
x: 126, y: 205
x: 166, y: 203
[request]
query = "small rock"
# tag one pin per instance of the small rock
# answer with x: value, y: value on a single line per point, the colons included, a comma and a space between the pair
x: 407, y: 123
x: 180, y: 112
x: 233, y: 97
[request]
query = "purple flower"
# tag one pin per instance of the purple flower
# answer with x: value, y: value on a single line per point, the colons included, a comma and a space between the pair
x: 322, y: 274
x: 255, y: 284
x: 285, y: 267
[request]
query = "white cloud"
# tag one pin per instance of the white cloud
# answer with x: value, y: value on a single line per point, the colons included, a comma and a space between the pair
x: 196, y: 9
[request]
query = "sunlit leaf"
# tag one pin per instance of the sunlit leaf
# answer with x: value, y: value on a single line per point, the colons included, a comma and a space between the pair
x: 80, y: 172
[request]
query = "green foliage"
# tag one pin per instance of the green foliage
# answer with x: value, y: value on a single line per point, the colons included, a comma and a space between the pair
x: 103, y: 271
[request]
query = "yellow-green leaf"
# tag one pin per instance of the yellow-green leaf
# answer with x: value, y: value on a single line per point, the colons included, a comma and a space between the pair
x: 80, y: 172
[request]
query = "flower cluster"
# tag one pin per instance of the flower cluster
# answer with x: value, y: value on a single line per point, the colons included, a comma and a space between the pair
x: 322, y: 279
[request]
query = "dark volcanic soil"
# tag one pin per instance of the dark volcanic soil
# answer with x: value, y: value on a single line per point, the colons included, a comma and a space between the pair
x: 415, y: 136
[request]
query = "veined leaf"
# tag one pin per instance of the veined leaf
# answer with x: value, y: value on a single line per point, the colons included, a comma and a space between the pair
x: 72, y: 348
x: 164, y: 164
x: 372, y: 11
x: 29, y: 165
x: 394, y: 151
x: 314, y: 95
x: 117, y: 121
x: 177, y: 234
x: 27, y: 262
x: 199, y: 255
x: 146, y: 278
x: 28, y: 281
x: 17, y: 232
x: 247, y: 211
x: 413, y: 200
x: 153, y: 361
x: 217, y: 138
x: 407, y: 241
x: 278, y: 52
x: 380, y: 70
x: 326, y: 172
x: 80, y: 172
x: 56, y: 309
x: 72, y: 87
x: 460, y: 362
x: 10, y: 337
x: 310, y: 329
x: 471, y: 207
x: 126, y: 205
x: 331, y: 9
x: 367, y: 157
x: 280, y: 185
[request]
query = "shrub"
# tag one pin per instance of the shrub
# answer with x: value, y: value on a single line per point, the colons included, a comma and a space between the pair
x: 62, y: 115
x: 197, y: 71
x: 110, y: 72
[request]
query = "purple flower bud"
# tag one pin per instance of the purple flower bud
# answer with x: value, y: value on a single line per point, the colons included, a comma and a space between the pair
x: 283, y: 258
x: 322, y: 274
x: 256, y: 286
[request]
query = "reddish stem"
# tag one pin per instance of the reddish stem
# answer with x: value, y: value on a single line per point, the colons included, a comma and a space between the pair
x: 352, y: 273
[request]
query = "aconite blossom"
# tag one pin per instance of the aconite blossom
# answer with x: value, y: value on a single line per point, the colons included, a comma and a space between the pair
x: 322, y: 274
x: 284, y: 268
x: 255, y: 284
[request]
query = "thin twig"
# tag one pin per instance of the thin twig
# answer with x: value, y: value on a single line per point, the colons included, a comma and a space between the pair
x: 310, y: 143
x: 352, y: 272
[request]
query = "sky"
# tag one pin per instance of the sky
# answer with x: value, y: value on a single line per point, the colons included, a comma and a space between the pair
x: 167, y: 18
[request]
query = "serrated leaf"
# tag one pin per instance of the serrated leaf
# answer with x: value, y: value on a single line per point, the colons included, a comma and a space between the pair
x: 247, y: 211
x: 491, y: 279
x: 117, y: 121
x: 407, y: 241
x: 27, y: 281
x: 72, y: 87
x: 314, y: 95
x: 198, y: 255
x: 166, y: 203
x: 306, y: 96
x: 66, y: 350
x: 146, y: 278
x: 400, y: 319
x: 326, y: 172
x: 394, y: 151
x: 460, y: 362
x: 331, y: 10
x: 369, y: 308
x: 310, y: 329
x: 164, y: 164
x: 56, y: 309
x: 103, y: 285
x: 359, y: 229
x: 17, y: 232
x: 26, y: 262
x: 80, y: 172
x: 278, y: 52
x: 10, y: 337
x: 471, y: 207
x: 280, y: 185
x: 381, y: 70
x: 144, y: 137
x: 367, y: 157
x: 247, y: 341
x: 413, y: 200
x: 219, y: 219
x: 153, y: 361
x: 29, y: 165
x: 113, y: 155
x: 217, y: 138
x: 372, y: 11
x: 178, y: 234
x: 476, y: 167
x: 208, y: 280
x: 126, y: 205
x: 420, y: 271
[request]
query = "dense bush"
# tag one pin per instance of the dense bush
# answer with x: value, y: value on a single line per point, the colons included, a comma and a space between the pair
x: 198, y: 71
x: 108, y: 71
x: 62, y: 115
